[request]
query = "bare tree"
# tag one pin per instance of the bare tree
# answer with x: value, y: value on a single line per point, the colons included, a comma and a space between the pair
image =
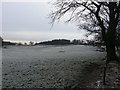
x: 95, y: 17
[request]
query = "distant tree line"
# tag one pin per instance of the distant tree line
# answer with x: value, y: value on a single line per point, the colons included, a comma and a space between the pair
x: 68, y: 42
x: 55, y: 42
x: 58, y: 42
x: 5, y: 43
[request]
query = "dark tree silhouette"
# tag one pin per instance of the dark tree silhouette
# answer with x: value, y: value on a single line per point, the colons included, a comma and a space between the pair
x: 55, y: 42
x: 102, y: 18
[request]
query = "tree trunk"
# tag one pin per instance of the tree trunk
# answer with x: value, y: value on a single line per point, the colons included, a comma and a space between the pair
x: 111, y: 55
x: 111, y: 34
x: 110, y: 48
x: 111, y: 52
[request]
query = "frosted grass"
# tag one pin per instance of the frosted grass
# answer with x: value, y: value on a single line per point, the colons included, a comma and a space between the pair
x: 45, y: 66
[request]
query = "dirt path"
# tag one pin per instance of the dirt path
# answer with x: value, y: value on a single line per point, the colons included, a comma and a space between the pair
x: 91, y: 76
x: 91, y: 73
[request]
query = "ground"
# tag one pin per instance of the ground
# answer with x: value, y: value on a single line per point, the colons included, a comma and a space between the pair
x: 93, y: 75
x: 55, y: 67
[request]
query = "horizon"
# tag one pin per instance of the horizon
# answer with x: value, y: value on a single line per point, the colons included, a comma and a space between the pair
x: 24, y: 41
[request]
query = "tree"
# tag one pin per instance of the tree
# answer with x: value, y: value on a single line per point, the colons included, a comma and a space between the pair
x: 102, y: 18
x: 31, y: 43
x: 25, y: 44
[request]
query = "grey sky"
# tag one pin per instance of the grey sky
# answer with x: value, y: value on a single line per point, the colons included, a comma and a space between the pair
x: 27, y: 21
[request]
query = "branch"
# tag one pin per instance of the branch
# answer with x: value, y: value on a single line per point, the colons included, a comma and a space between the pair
x: 85, y: 5
x: 118, y: 13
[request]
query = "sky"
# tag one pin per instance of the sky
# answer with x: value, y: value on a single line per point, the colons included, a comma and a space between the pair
x: 28, y: 21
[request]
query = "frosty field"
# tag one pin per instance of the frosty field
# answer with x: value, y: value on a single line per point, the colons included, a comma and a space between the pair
x: 45, y: 66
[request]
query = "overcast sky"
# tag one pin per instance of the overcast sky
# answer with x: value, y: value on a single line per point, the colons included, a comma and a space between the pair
x: 27, y: 21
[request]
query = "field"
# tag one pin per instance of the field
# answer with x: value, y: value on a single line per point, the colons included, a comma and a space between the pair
x: 46, y: 66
